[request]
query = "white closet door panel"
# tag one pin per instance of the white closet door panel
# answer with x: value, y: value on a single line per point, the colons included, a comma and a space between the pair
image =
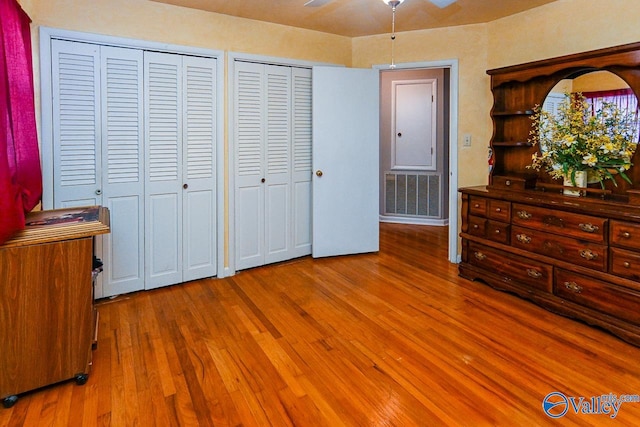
x: 164, y: 261
x: 163, y: 161
x: 199, y: 142
x: 278, y: 163
x: 249, y: 123
x: 249, y: 217
x: 277, y: 223
x: 301, y: 163
x: 76, y: 123
x: 301, y: 218
x: 123, y: 246
x: 122, y: 154
x: 198, y: 236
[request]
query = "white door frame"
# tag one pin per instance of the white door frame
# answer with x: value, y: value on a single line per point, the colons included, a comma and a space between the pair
x: 452, y: 65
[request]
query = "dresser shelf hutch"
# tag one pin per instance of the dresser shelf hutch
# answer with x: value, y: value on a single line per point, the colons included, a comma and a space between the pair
x: 576, y: 256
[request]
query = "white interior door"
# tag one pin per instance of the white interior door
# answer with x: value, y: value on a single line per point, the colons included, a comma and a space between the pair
x: 346, y: 143
x: 414, y: 124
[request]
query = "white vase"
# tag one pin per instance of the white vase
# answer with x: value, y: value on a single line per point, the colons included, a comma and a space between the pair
x: 580, y: 182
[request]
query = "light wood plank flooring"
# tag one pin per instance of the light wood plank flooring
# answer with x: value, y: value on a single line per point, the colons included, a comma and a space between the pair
x: 388, y: 339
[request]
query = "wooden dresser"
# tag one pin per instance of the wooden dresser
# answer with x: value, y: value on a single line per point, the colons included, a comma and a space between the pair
x: 575, y: 255
x: 46, y: 300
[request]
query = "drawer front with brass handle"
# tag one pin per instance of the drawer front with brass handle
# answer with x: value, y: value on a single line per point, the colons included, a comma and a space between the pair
x: 567, y: 249
x: 583, y: 227
x: 625, y: 263
x: 625, y: 234
x: 514, y: 268
x: 598, y: 295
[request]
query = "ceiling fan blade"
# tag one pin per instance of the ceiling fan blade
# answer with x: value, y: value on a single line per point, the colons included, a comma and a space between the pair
x: 317, y: 3
x: 440, y: 3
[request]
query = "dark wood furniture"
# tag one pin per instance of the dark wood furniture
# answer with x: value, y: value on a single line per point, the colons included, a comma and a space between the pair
x: 46, y: 301
x: 577, y: 256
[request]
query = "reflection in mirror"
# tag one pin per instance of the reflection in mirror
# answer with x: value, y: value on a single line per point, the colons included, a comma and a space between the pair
x: 597, y: 87
x: 606, y: 138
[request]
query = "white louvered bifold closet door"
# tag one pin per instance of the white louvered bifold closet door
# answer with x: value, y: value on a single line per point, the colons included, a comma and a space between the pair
x: 199, y: 185
x: 163, y: 128
x: 272, y: 111
x: 249, y: 130
x: 97, y: 138
x: 301, y: 177
x: 123, y: 172
x: 278, y: 164
x: 180, y: 177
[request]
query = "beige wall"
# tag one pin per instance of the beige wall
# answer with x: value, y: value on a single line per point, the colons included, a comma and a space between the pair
x: 158, y: 22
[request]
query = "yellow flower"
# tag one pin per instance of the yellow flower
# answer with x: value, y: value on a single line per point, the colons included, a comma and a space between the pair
x: 590, y: 159
x: 569, y: 140
x: 608, y: 147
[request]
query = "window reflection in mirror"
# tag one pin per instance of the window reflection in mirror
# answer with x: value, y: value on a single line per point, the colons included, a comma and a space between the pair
x: 597, y: 87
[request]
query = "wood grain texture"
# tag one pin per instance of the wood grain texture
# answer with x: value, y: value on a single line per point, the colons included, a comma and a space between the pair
x: 394, y: 338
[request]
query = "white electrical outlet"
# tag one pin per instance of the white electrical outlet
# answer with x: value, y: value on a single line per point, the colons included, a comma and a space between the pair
x: 467, y: 140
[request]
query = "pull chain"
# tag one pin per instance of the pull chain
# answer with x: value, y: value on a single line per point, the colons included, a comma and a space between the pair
x: 393, y: 36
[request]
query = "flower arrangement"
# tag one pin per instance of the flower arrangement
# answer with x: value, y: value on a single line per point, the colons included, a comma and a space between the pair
x: 575, y: 139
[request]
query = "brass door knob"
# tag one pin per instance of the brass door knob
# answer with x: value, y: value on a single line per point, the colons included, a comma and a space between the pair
x: 319, y: 173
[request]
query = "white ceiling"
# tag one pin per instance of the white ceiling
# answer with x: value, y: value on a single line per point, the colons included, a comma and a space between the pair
x: 356, y: 18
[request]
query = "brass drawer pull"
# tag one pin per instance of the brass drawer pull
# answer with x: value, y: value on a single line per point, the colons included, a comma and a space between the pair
x: 498, y: 210
x: 625, y: 235
x: 480, y: 256
x: 477, y: 205
x: 497, y: 231
x: 588, y: 254
x: 627, y: 264
x: 523, y: 238
x: 573, y: 287
x: 588, y: 227
x: 475, y: 226
x: 524, y: 215
x: 531, y: 272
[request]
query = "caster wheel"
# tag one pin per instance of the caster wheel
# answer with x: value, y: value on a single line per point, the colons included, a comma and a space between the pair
x: 81, y: 379
x: 9, y: 401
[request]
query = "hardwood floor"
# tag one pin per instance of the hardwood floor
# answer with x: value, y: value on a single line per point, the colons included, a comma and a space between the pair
x: 388, y: 339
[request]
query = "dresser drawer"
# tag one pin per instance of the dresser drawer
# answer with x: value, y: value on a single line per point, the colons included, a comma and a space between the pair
x: 583, y: 227
x: 497, y: 231
x: 499, y: 210
x: 521, y: 270
x: 625, y: 263
x: 596, y: 294
x: 478, y: 206
x: 477, y: 226
x: 625, y: 234
x: 586, y: 254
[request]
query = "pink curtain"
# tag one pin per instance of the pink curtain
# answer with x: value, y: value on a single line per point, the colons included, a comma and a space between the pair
x: 20, y: 173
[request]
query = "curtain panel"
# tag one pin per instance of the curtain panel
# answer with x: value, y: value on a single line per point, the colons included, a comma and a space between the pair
x: 20, y: 172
